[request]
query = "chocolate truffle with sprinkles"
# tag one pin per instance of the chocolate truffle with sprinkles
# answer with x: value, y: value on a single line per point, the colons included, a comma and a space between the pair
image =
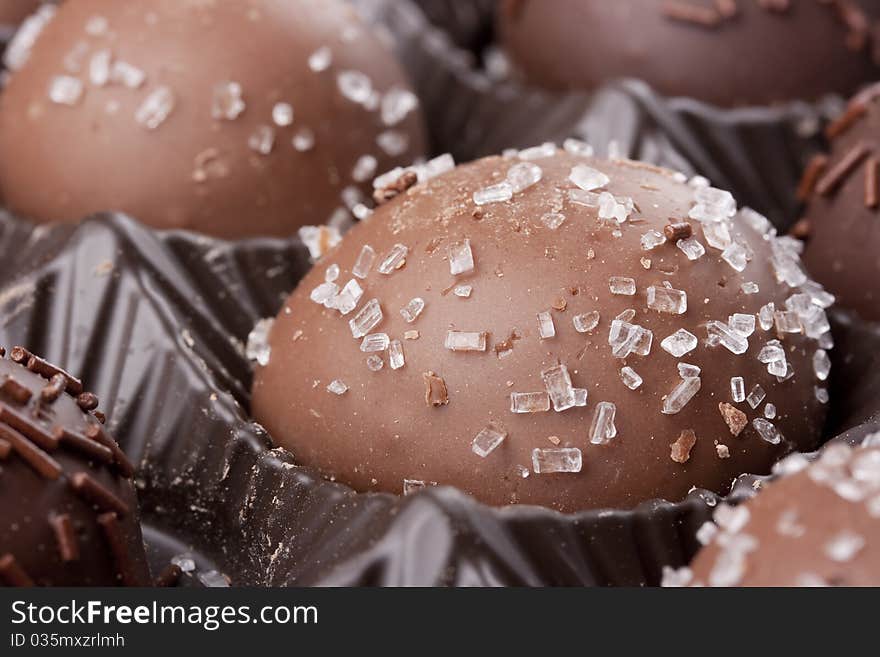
x: 228, y: 118
x: 68, y: 509
x: 842, y: 224
x: 818, y: 525
x: 549, y: 328
x: 727, y: 52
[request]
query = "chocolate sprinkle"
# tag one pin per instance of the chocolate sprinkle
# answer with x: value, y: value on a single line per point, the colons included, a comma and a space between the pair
x: 5, y: 448
x: 15, y: 391
x: 12, y: 573
x: 96, y: 493
x: 109, y: 523
x: 845, y: 121
x: 91, y: 448
x: 96, y: 432
x: 65, y: 537
x: 39, y: 460
x: 679, y: 230
x: 28, y: 428
x: 872, y: 196
x: 52, y: 390
x: 838, y: 173
x: 87, y: 401
x: 815, y: 168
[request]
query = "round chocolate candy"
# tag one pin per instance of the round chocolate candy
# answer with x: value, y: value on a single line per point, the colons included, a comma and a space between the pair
x: 229, y: 118
x: 819, y: 525
x: 68, y: 508
x: 729, y: 52
x: 843, y: 214
x: 548, y: 328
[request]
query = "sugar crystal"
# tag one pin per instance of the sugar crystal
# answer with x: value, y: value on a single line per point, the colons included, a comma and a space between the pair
x: 756, y: 396
x: 99, y: 67
x: 493, y: 193
x: 364, y: 168
x: 557, y: 381
x: 337, y: 387
x: 585, y: 322
x: 630, y: 378
x: 692, y: 248
x: 523, y: 175
x: 465, y: 341
x: 772, y: 351
x: 547, y: 149
x: 622, y: 285
x: 652, y: 239
x: 767, y: 431
x: 736, y: 256
x: 262, y: 139
x: 375, y: 342
x: 155, y: 108
x: 65, y: 90
x: 303, y: 139
x: 680, y: 343
x: 546, y: 328
x: 529, y: 402
x: 394, y: 259
x: 375, y: 362
x: 258, y: 348
x: 348, y: 298
x: 602, y: 428
x: 821, y: 364
x: 551, y: 460
x: 366, y: 319
x: 667, y: 300
x: 463, y: 291
x: 395, y: 355
x: 742, y: 323
x: 364, y: 262
x: 226, y: 101
x: 127, y: 74
x: 487, y: 440
x: 770, y: 411
x: 720, y: 333
x: 587, y: 178
x: 686, y: 370
x: 750, y: 287
x: 717, y: 235
x: 413, y: 309
x: 320, y: 60
x: 461, y: 258
x: 396, y: 104
x: 552, y: 220
x: 355, y: 86
x: 737, y: 389
x: 676, y: 400
x: 765, y: 316
x: 577, y: 147
x: 787, y: 321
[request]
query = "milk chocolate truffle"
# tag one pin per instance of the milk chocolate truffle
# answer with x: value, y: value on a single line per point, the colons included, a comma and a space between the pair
x: 549, y: 328
x: 229, y: 118
x: 843, y: 213
x: 727, y: 52
x: 68, y: 509
x: 817, y: 526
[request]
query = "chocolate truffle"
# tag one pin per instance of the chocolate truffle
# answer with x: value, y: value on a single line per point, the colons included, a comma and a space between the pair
x: 819, y: 525
x: 843, y: 213
x: 228, y: 118
x: 68, y: 508
x: 727, y: 52
x: 549, y: 328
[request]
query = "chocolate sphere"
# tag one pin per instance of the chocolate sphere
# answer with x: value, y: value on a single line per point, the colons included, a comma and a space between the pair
x: 548, y: 328
x: 843, y: 214
x: 229, y: 118
x: 817, y: 527
x: 68, y: 508
x: 728, y: 53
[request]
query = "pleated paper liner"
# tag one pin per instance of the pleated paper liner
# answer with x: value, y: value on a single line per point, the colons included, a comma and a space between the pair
x: 756, y: 153
x: 155, y: 324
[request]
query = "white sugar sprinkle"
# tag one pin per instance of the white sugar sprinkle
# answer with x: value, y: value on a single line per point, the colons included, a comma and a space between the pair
x: 155, y: 108
x: 676, y: 400
x: 679, y: 343
x: 585, y: 322
x: 282, y: 114
x: 465, y: 341
x: 737, y: 389
x: 602, y: 429
x: 262, y: 139
x: 413, y: 309
x: 337, y: 387
x: 667, y: 300
x: 523, y: 175
x: 393, y: 259
x: 546, y: 328
x: 767, y: 431
x: 529, y: 402
x: 622, y: 285
x: 493, y: 193
x: 396, y: 356
x: 630, y: 378
x: 461, y: 258
x: 487, y: 440
x: 65, y: 90
x: 555, y: 460
x: 587, y: 178
x: 691, y: 248
x: 320, y: 60
x: 227, y: 102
